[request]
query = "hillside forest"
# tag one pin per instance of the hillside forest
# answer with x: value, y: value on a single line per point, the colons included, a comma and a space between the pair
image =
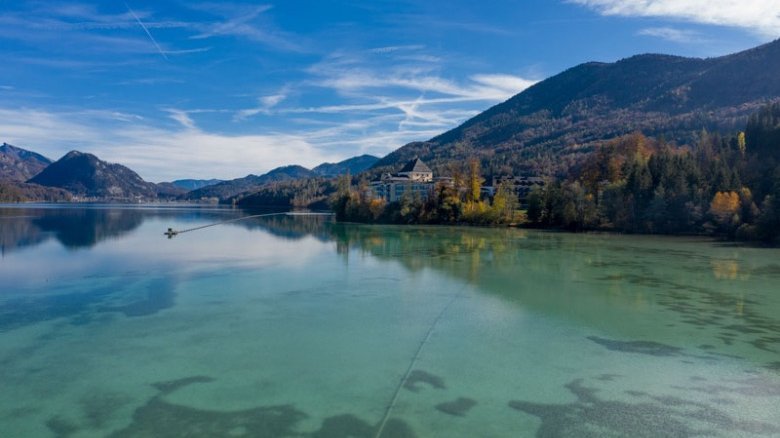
x: 724, y: 185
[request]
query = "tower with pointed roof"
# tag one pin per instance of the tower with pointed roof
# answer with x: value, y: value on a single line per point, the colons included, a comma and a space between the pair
x: 415, y: 179
x: 417, y: 170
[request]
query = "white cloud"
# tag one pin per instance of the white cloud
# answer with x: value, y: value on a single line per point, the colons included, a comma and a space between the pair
x: 758, y: 16
x: 486, y: 87
x: 182, y: 117
x: 672, y: 34
x: 157, y: 154
x: 500, y: 86
x: 272, y: 100
x: 266, y: 103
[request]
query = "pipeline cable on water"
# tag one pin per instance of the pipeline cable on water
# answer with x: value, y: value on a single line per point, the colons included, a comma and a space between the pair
x: 413, y: 362
x: 171, y: 232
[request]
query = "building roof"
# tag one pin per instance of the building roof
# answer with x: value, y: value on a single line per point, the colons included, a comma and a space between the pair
x: 416, y: 165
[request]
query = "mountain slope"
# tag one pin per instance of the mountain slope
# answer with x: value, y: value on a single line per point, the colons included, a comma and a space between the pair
x: 194, y: 184
x: 546, y: 126
x: 253, y: 183
x: 19, y: 165
x: 85, y: 175
x: 250, y: 183
x: 352, y: 166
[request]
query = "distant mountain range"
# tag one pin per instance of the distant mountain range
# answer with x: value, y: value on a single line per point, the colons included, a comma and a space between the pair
x: 194, y: 184
x: 250, y: 183
x: 548, y: 126
x: 28, y: 176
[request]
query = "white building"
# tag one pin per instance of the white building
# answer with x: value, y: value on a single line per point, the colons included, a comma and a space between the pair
x: 415, y: 178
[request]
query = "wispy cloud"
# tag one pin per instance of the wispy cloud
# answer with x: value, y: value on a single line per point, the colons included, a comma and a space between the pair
x: 382, y: 107
x: 758, y: 16
x: 152, y: 81
x: 241, y: 21
x: 392, y: 49
x: 182, y: 117
x: 453, y: 25
x: 672, y: 34
x: 265, y: 104
x: 186, y: 51
x: 79, y: 31
x: 149, y: 34
x: 485, y: 87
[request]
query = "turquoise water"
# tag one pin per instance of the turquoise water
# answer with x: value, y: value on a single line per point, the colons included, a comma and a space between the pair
x: 296, y: 326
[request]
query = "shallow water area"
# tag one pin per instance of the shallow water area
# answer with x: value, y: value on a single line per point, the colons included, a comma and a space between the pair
x: 293, y: 325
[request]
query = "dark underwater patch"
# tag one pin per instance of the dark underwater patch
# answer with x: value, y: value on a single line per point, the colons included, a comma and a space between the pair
x: 61, y: 427
x: 417, y: 377
x: 640, y: 347
x: 350, y: 426
x: 457, y: 408
x: 591, y: 416
x: 160, y: 418
x: 607, y: 377
x: 99, y: 408
x: 172, y: 385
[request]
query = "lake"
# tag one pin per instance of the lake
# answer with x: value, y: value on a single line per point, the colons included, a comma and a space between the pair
x: 293, y: 325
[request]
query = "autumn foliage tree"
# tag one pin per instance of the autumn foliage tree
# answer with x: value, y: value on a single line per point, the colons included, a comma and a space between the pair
x: 725, y: 207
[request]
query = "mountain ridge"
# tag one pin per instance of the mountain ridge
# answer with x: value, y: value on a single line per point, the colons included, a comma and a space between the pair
x: 85, y: 175
x: 250, y: 183
x: 19, y: 165
x: 194, y: 184
x: 548, y: 126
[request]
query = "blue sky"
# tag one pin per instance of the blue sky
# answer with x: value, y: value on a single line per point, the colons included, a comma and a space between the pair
x: 188, y: 89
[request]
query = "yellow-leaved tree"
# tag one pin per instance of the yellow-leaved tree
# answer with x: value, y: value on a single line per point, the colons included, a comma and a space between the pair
x: 741, y: 143
x: 725, y: 206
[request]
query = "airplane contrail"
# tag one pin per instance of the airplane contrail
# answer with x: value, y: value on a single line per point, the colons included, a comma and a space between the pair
x: 140, y: 23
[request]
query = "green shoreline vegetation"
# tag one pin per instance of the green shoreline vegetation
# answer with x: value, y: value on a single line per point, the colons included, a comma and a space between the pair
x: 458, y: 202
x: 725, y: 186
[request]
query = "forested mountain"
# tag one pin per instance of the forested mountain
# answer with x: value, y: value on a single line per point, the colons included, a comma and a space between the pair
x: 194, y: 184
x: 547, y: 128
x: 352, y: 166
x: 236, y: 188
x: 13, y: 191
x: 86, y: 175
x: 17, y: 164
x: 249, y: 183
x: 725, y: 185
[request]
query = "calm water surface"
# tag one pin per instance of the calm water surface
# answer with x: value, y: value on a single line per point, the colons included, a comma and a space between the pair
x: 296, y: 326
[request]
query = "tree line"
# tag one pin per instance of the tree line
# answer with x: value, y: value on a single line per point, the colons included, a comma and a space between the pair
x: 722, y: 185
x: 726, y: 185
